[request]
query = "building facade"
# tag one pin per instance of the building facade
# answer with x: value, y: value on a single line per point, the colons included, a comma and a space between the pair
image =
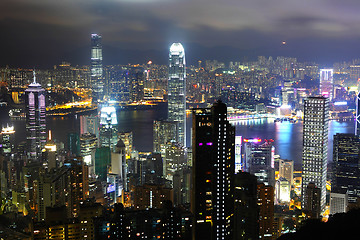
x: 213, y: 141
x: 315, y: 145
x: 177, y: 89
x: 35, y: 109
x: 326, y: 83
x: 96, y: 82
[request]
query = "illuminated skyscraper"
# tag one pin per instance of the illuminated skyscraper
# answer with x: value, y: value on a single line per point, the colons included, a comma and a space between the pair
x: 108, y: 127
x: 315, y: 145
x: 97, y: 84
x: 357, y: 119
x: 177, y: 89
x: 326, y: 83
x: 35, y: 119
x: 213, y: 142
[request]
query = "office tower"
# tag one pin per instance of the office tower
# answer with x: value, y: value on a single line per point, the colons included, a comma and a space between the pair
x: 35, y: 109
x: 260, y: 160
x: 74, y: 143
x: 246, y: 212
x: 177, y: 89
x: 286, y: 170
x: 315, y: 145
x: 213, y: 141
x: 238, y: 164
x: 127, y: 138
x: 89, y: 124
x: 282, y: 190
x: 357, y: 117
x: 50, y: 150
x: 102, y: 162
x: 118, y: 163
x: 108, y: 126
x: 338, y: 203
x: 312, y: 200
x: 175, y: 159
x: 96, y: 82
x: 88, y: 144
x: 266, y: 210
x: 165, y: 132
x: 326, y: 83
x: 346, y: 172
x: 136, y: 84
x: 7, y: 139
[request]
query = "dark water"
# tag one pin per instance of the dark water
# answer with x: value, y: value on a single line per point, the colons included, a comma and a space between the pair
x: 287, y: 137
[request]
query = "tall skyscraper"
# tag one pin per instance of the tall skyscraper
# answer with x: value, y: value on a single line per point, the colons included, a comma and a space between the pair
x: 315, y: 145
x: 177, y: 89
x: 213, y: 142
x: 96, y: 82
x: 35, y: 109
x: 357, y: 119
x: 346, y: 179
x: 326, y: 83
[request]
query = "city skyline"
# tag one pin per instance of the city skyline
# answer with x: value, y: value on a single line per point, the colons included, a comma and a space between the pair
x: 43, y: 33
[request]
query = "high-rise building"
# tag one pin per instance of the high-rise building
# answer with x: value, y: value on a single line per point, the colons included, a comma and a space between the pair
x: 165, y: 132
x: 35, y: 109
x: 357, y: 117
x: 246, y: 214
x: 312, y: 200
x: 97, y: 83
x: 177, y: 89
x: 7, y: 139
x: 88, y: 144
x: 259, y: 160
x: 266, y: 210
x: 212, y: 204
x: 108, y: 126
x: 326, y: 83
x: 136, y: 84
x: 338, y: 203
x: 286, y: 170
x: 315, y: 145
x: 346, y: 172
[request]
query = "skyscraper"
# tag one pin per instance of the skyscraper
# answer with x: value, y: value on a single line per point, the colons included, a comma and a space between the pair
x: 357, y: 119
x: 96, y: 82
x: 108, y: 126
x: 177, y: 89
x: 315, y: 145
x: 35, y: 109
x: 326, y: 83
x: 212, y: 203
x: 346, y: 179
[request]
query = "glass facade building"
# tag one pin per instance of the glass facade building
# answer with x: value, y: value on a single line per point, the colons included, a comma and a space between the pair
x: 35, y: 109
x: 346, y: 178
x: 315, y: 145
x: 326, y: 83
x: 177, y: 89
x: 97, y: 84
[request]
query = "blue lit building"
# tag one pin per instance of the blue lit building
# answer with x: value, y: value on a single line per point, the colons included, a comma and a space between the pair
x: 177, y: 89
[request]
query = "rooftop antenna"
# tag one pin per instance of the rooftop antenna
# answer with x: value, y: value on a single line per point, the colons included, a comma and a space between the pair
x: 34, y: 76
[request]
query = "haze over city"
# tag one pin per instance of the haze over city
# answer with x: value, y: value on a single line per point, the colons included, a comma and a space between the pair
x: 42, y: 33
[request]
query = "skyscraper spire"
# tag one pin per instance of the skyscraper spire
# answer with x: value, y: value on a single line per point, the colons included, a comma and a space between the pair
x: 34, y: 76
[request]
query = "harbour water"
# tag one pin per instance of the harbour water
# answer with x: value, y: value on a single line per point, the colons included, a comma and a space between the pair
x: 287, y: 136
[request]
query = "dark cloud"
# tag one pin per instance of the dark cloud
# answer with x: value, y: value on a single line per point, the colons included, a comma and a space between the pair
x: 42, y: 32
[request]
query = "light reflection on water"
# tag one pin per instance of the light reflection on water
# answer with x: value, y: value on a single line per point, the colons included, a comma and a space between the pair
x: 287, y: 136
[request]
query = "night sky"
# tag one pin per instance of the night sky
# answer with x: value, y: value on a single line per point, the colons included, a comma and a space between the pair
x: 42, y: 33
